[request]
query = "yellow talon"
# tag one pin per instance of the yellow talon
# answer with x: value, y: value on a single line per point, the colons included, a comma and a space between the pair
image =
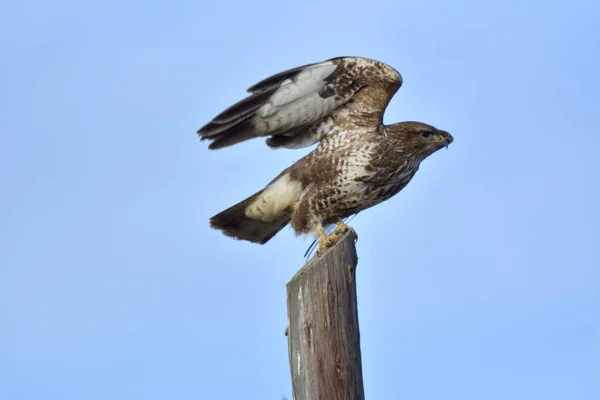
x: 341, y: 228
x: 327, y: 241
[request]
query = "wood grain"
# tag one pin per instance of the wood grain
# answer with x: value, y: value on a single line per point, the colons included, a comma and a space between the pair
x: 323, y: 332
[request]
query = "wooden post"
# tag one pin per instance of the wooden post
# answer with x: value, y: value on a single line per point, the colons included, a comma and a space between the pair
x: 323, y: 335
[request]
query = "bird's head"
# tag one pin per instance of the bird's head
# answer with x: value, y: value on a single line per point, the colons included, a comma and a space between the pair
x: 416, y: 138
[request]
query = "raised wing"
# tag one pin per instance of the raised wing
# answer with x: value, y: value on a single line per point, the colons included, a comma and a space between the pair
x: 297, y: 107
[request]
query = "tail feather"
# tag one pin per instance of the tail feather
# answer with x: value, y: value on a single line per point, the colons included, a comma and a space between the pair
x: 234, y: 223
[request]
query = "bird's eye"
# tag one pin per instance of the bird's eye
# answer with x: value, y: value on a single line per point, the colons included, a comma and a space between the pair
x: 425, y: 135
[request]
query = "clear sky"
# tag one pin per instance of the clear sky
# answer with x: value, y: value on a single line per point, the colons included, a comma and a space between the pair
x: 481, y: 280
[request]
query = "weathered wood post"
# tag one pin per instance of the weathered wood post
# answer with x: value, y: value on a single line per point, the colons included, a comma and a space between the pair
x: 323, y: 335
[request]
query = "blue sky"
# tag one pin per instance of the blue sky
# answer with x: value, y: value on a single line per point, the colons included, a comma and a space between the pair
x: 480, y: 280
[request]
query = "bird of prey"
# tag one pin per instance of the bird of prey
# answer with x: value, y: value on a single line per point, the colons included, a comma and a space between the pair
x: 358, y: 163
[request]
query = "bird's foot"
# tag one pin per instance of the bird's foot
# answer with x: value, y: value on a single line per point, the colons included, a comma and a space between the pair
x: 341, y: 229
x: 326, y: 241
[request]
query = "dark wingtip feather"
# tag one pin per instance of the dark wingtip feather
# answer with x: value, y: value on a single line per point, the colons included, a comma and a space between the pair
x: 244, y: 107
x: 233, y: 135
x: 274, y: 80
x: 204, y: 132
x: 234, y: 124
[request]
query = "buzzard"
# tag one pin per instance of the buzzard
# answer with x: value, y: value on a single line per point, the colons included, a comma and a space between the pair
x: 358, y: 163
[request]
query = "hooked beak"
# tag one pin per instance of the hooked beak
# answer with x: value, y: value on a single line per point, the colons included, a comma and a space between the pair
x: 445, y: 139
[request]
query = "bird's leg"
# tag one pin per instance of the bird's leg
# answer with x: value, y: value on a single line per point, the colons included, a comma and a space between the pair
x: 325, y: 241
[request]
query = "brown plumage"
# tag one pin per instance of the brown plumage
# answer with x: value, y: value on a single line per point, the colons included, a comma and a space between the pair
x: 358, y: 163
